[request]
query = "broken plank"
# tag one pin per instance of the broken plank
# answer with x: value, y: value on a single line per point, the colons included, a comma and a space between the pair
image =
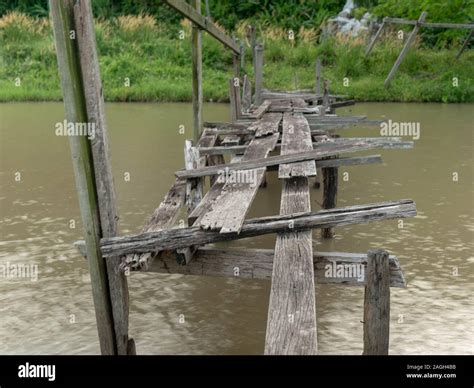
x: 183, y: 237
x: 228, y: 210
x: 260, y: 110
x: 296, y: 137
x: 279, y: 159
x: 267, y: 125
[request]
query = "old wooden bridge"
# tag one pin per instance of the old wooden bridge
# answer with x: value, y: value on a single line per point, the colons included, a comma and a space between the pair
x: 286, y: 133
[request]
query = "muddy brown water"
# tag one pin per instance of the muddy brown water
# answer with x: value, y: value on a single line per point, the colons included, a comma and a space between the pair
x: 173, y: 314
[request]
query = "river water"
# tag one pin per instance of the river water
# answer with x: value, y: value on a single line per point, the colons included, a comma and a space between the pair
x: 174, y: 314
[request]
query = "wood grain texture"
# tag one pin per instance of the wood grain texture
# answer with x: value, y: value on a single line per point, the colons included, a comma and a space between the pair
x: 183, y: 237
x: 267, y: 125
x: 296, y: 137
x: 377, y: 304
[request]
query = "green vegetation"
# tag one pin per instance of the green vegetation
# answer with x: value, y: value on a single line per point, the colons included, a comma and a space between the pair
x: 158, y: 63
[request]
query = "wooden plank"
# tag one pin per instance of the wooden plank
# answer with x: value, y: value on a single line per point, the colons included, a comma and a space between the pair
x: 406, y: 48
x: 227, y: 211
x: 375, y: 38
x: 72, y: 84
x: 196, y: 57
x: 258, y: 71
x: 183, y: 237
x: 429, y: 24
x: 275, y: 160
x: 203, y: 23
x: 267, y: 125
x: 377, y: 304
x: 296, y: 137
x: 383, y: 142
x: 262, y: 109
x: 194, y: 187
x: 258, y: 264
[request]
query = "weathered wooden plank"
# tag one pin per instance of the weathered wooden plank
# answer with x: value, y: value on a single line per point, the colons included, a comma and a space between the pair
x: 78, y: 94
x: 338, y: 162
x: 279, y: 159
x: 377, y: 304
x: 228, y: 210
x: 258, y: 264
x: 194, y: 187
x: 223, y: 126
x: 262, y: 109
x: 267, y: 125
x: 296, y: 137
x: 429, y: 24
x: 196, y: 57
x: 406, y: 48
x: 183, y: 237
x: 230, y: 141
x: 204, y: 23
x: 383, y: 142
x: 291, y: 324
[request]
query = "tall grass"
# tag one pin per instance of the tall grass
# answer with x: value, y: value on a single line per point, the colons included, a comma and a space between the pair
x: 158, y: 63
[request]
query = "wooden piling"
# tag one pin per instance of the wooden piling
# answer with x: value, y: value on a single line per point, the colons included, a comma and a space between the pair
x: 330, y: 183
x: 232, y: 102
x: 196, y: 46
x: 377, y: 303
x: 92, y: 186
x: 406, y: 48
x: 258, y: 71
x: 318, y: 76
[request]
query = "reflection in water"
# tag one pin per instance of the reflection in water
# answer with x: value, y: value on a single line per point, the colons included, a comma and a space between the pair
x: 199, y: 315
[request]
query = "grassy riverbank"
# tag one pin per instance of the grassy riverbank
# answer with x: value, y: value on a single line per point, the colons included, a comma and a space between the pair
x: 158, y: 64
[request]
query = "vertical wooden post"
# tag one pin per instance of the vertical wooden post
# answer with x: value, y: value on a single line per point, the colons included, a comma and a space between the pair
x: 330, y: 183
x: 242, y: 55
x: 246, y: 94
x: 377, y: 304
x: 236, y: 64
x: 83, y: 101
x: 465, y: 44
x: 375, y: 38
x: 253, y: 42
x: 208, y: 12
x: 325, y: 99
x: 258, y: 71
x: 405, y: 49
x: 197, y: 75
x: 233, y: 103
x: 318, y: 76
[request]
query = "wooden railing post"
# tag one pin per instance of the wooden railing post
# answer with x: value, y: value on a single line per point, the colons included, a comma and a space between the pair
x: 258, y: 71
x: 196, y: 40
x: 406, y: 48
x: 83, y: 100
x: 377, y: 303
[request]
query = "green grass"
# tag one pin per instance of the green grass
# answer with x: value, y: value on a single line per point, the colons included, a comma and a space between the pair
x: 158, y: 65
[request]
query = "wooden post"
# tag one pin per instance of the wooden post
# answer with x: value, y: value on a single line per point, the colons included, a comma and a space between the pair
x: 330, y: 183
x: 377, y: 304
x: 253, y: 42
x: 375, y: 38
x: 83, y: 103
x: 325, y: 101
x: 194, y: 187
x: 465, y: 44
x: 196, y: 43
x: 236, y: 64
x: 246, y: 94
x: 208, y: 12
x: 242, y: 55
x: 405, y: 49
x: 233, y: 103
x: 258, y: 71
x: 318, y: 76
